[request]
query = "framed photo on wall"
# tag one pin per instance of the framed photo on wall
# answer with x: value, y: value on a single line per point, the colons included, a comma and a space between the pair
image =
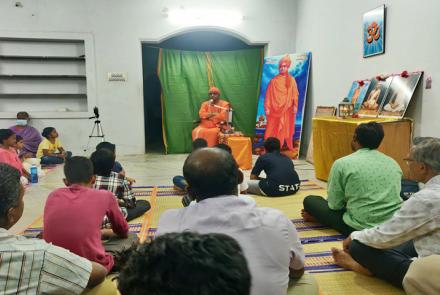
x: 374, y: 31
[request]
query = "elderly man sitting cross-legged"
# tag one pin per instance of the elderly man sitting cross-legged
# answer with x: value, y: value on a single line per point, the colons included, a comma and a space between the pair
x: 269, y: 240
x: 32, y: 266
x: 387, y: 250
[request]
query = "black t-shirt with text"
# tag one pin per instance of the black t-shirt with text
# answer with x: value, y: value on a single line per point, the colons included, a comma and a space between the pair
x: 282, y: 178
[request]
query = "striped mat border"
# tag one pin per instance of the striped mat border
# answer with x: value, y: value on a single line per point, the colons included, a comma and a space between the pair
x: 317, y: 262
x: 302, y: 225
x: 168, y: 190
x: 32, y: 232
x: 308, y: 240
x: 320, y: 262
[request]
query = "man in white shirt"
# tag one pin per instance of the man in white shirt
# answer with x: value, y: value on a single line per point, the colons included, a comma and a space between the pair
x: 268, y: 238
x: 33, y: 266
x: 388, y: 250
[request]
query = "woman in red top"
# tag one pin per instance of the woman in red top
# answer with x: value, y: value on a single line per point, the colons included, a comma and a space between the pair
x: 8, y: 155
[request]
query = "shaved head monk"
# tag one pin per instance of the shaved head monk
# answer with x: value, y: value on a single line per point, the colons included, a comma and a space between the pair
x: 281, y: 104
x: 212, y: 113
x: 269, y: 239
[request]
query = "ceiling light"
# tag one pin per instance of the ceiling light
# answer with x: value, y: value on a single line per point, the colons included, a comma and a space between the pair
x: 200, y: 17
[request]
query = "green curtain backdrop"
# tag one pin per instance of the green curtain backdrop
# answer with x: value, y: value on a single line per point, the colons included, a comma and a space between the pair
x: 185, y: 83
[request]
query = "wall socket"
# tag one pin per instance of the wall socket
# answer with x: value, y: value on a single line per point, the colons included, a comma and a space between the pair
x: 117, y: 76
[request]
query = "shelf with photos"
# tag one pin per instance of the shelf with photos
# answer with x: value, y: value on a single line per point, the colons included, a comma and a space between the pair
x: 384, y: 96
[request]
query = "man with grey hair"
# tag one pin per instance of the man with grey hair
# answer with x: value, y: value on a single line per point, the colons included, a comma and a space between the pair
x: 387, y: 250
x: 32, y: 265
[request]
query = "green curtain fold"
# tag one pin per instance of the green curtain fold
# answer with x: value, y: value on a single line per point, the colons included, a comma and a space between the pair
x: 184, y: 80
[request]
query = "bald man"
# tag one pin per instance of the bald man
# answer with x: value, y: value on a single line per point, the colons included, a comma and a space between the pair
x: 269, y: 240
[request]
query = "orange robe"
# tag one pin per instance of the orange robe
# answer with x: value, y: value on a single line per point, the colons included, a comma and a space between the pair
x: 208, y: 128
x: 281, y: 104
x: 355, y: 96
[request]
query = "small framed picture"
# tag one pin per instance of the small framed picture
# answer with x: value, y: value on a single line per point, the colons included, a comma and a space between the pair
x: 374, y: 31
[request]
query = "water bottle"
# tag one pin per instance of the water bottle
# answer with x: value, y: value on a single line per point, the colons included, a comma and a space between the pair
x: 34, y: 174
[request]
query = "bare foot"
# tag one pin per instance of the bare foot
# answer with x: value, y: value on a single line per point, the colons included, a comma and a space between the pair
x: 307, y: 217
x: 345, y: 260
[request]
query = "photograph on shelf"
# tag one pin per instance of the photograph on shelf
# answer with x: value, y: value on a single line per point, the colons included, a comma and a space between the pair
x: 399, y: 95
x: 374, y: 31
x: 374, y: 98
x: 357, y: 93
x: 281, y: 102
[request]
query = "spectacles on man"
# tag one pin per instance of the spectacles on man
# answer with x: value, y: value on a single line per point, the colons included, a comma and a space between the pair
x: 408, y: 160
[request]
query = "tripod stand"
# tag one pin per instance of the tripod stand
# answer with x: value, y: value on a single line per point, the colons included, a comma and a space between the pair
x: 99, y: 132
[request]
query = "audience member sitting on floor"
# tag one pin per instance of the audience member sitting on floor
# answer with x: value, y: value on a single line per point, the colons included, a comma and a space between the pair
x: 33, y: 266
x: 422, y: 276
x: 8, y: 155
x: 363, y: 188
x: 387, y: 250
x: 103, y: 162
x: 281, y: 177
x: 117, y: 167
x: 179, y: 181
x: 73, y: 215
x: 187, y: 263
x: 50, y: 150
x: 242, y: 189
x: 31, y: 136
x: 19, y: 147
x: 268, y: 238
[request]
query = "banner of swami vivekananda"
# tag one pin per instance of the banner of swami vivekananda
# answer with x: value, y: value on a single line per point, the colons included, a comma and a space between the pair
x: 282, y: 100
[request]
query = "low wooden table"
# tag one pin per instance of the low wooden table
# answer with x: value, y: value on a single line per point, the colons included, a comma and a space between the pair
x: 332, y: 140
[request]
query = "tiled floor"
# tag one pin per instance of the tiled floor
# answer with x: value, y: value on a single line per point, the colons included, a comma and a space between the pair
x: 148, y: 169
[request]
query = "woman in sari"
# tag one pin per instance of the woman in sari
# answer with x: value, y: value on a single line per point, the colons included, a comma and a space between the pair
x: 30, y: 135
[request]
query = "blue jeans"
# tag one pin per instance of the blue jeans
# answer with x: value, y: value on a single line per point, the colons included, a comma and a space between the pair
x: 46, y: 160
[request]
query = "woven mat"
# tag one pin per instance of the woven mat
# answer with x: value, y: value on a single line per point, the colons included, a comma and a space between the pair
x: 135, y: 226
x: 317, y: 240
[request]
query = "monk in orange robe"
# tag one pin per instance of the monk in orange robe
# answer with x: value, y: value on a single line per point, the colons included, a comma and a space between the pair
x: 356, y: 93
x: 281, y: 105
x: 212, y: 113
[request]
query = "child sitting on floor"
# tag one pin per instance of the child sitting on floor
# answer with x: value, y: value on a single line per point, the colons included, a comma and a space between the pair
x: 50, y: 150
x: 117, y: 167
x: 73, y: 215
x: 19, y: 146
x: 103, y: 161
x: 8, y: 155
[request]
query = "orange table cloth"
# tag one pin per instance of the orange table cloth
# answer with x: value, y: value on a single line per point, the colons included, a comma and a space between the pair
x: 223, y: 137
x: 332, y: 140
x: 242, y: 151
